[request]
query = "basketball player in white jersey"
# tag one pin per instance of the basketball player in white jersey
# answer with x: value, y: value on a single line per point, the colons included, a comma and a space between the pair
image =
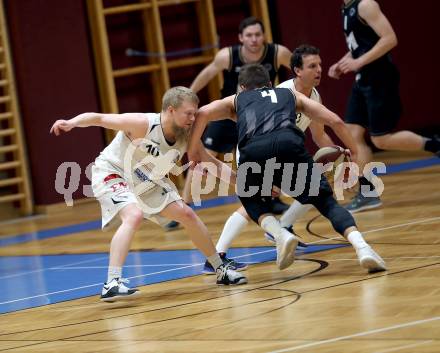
x: 130, y: 181
x: 305, y: 64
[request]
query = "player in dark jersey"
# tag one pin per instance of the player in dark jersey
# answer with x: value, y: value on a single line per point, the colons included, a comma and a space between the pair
x: 221, y: 136
x: 374, y: 104
x: 272, y: 148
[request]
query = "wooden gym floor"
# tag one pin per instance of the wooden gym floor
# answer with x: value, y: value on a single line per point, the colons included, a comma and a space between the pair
x: 52, y: 269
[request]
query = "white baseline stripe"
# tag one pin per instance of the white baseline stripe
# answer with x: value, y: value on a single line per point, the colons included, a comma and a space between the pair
x: 140, y: 266
x: 339, y: 237
x: 126, y: 266
x: 394, y: 258
x: 426, y: 220
x: 92, y: 285
x: 360, y: 334
x: 45, y: 269
x: 405, y: 346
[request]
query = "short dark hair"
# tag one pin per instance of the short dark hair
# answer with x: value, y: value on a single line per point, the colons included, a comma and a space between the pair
x: 254, y: 76
x: 297, y: 56
x: 249, y: 21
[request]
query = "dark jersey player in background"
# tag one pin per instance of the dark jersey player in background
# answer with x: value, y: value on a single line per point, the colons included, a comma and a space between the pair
x: 374, y: 104
x: 266, y: 127
x: 221, y: 136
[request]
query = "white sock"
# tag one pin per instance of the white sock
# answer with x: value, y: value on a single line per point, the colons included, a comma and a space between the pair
x: 293, y: 213
x: 232, y: 228
x: 271, y: 225
x: 113, y: 272
x: 356, y: 239
x: 215, y: 261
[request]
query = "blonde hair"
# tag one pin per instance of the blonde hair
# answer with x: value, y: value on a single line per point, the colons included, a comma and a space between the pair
x: 176, y: 95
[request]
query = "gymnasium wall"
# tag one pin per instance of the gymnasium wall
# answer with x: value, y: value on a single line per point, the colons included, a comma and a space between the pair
x: 55, y: 72
x: 319, y: 23
x: 54, y: 67
x: 55, y: 79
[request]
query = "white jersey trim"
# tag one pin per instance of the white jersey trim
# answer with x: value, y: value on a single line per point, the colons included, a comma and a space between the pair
x: 302, y: 120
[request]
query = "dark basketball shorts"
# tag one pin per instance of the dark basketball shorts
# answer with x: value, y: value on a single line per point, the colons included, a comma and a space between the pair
x: 375, y: 102
x: 287, y: 148
x: 221, y: 136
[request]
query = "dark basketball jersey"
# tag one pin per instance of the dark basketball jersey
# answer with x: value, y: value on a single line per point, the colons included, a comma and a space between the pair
x: 264, y: 110
x: 230, y: 76
x: 359, y: 35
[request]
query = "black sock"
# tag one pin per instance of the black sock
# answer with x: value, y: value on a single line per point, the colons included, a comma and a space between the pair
x: 432, y: 145
x: 365, y: 181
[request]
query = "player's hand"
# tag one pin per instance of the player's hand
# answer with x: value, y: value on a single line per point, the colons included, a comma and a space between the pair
x: 348, y: 64
x: 195, y: 155
x: 194, y: 160
x: 351, y: 156
x: 345, y: 174
x: 276, y: 191
x: 343, y: 150
x: 61, y: 126
x: 334, y: 71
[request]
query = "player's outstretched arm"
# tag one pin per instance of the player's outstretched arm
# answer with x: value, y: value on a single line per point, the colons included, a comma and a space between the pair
x: 319, y: 136
x: 135, y: 124
x: 220, y: 62
x: 321, y: 114
x: 222, y: 170
x: 216, y: 110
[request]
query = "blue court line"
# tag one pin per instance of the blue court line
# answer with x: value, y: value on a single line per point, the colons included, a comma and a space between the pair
x: 30, y: 281
x: 209, y: 203
x: 218, y: 201
x: 94, y: 225
x: 416, y: 164
x: 50, y: 233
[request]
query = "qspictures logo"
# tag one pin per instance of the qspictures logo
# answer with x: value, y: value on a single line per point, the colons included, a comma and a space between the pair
x: 143, y: 176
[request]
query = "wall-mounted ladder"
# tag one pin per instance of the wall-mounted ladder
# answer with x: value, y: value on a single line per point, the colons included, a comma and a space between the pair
x: 157, y: 66
x: 160, y: 65
x: 14, y: 171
